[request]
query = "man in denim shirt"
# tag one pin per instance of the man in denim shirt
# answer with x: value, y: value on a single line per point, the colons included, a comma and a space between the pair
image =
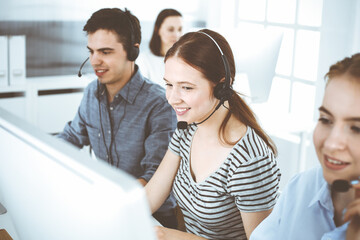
x: 123, y: 116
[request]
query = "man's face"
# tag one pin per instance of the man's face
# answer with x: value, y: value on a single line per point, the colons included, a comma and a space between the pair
x: 108, y: 57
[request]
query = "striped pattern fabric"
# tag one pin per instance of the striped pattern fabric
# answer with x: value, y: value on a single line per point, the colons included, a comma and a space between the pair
x: 247, y: 181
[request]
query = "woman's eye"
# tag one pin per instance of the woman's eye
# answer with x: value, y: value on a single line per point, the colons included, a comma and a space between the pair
x: 187, y: 88
x: 355, y: 129
x: 168, y: 85
x: 324, y: 120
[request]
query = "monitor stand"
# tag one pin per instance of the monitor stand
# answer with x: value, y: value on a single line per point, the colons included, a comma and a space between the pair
x: 2, y: 209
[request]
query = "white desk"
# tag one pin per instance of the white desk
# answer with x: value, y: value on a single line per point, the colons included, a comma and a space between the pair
x: 7, y: 224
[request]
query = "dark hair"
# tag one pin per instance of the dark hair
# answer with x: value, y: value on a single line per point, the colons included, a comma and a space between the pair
x: 155, y: 42
x: 200, y: 52
x: 349, y: 65
x: 117, y: 20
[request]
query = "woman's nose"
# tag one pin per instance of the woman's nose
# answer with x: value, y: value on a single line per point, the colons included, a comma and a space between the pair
x: 172, y: 95
x: 336, y: 140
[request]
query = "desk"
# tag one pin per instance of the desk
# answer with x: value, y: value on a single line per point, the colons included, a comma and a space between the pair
x: 6, y: 223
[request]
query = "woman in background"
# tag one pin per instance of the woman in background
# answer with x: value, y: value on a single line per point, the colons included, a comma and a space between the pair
x: 221, y: 166
x: 167, y: 30
x: 309, y: 208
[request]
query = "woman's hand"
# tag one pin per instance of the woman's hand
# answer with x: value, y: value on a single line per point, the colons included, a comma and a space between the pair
x: 163, y: 233
x: 352, y: 214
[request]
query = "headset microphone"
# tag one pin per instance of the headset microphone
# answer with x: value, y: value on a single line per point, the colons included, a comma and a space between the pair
x: 183, y: 125
x: 82, y: 65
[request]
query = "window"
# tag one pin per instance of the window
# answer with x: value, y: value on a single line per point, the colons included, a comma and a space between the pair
x: 293, y: 88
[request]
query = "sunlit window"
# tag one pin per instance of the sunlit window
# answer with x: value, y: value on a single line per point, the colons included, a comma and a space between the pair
x: 310, y: 12
x: 302, y: 102
x: 306, y: 54
x: 281, y: 11
x: 252, y: 10
x: 293, y: 87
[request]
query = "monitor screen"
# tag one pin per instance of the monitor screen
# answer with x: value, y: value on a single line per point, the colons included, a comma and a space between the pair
x: 256, y: 54
x: 51, y: 190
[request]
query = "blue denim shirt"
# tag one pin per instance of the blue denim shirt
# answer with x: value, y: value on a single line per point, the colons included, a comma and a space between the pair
x: 142, y: 125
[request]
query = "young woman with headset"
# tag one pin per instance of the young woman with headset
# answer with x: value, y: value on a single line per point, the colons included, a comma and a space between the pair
x: 220, y: 163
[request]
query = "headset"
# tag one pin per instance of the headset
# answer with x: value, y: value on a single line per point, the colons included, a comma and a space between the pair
x: 132, y: 51
x: 341, y: 185
x: 132, y: 54
x: 222, y: 91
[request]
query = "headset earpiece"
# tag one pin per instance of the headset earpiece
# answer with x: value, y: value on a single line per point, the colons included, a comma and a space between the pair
x: 132, y: 53
x: 219, y: 90
x: 222, y: 92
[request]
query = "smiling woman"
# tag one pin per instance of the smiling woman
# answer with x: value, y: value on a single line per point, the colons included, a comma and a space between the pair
x: 309, y: 202
x: 221, y: 167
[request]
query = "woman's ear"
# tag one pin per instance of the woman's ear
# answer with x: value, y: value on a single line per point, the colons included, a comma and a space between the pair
x: 223, y: 80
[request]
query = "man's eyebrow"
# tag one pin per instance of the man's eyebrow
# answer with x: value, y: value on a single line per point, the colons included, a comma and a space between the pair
x: 323, y: 109
x: 101, y: 49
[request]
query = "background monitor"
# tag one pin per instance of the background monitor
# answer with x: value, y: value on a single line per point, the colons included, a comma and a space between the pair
x: 51, y: 190
x: 256, y: 54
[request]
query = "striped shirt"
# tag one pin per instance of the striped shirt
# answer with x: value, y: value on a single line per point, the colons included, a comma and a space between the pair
x: 247, y: 181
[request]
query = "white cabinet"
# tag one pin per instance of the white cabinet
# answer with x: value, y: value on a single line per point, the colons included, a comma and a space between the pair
x: 17, y: 60
x: 12, y: 60
x: 54, y: 110
x: 4, y: 61
x: 47, y: 102
x: 13, y: 100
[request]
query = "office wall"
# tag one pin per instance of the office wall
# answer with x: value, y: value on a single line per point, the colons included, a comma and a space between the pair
x: 55, y: 42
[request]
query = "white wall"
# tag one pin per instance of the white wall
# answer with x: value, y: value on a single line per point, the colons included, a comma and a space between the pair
x: 340, y: 34
x: 80, y: 10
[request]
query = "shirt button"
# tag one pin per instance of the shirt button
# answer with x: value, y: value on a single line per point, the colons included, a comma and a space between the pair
x: 117, y: 96
x: 109, y: 132
x: 99, y: 134
x: 111, y: 108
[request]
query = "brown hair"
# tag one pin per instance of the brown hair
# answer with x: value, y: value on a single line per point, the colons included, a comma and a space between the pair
x: 117, y: 20
x: 349, y: 65
x: 200, y: 52
x: 155, y: 42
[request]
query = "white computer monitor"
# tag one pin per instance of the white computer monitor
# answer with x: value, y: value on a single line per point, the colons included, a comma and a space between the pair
x: 53, y: 191
x: 256, y: 53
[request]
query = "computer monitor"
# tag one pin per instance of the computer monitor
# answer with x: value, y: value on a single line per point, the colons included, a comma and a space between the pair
x: 53, y: 191
x: 256, y: 53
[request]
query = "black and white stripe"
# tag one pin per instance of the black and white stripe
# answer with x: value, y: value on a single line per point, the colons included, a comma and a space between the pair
x: 247, y: 181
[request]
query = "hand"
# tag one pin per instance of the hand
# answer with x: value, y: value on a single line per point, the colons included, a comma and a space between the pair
x: 172, y: 234
x: 353, y: 215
